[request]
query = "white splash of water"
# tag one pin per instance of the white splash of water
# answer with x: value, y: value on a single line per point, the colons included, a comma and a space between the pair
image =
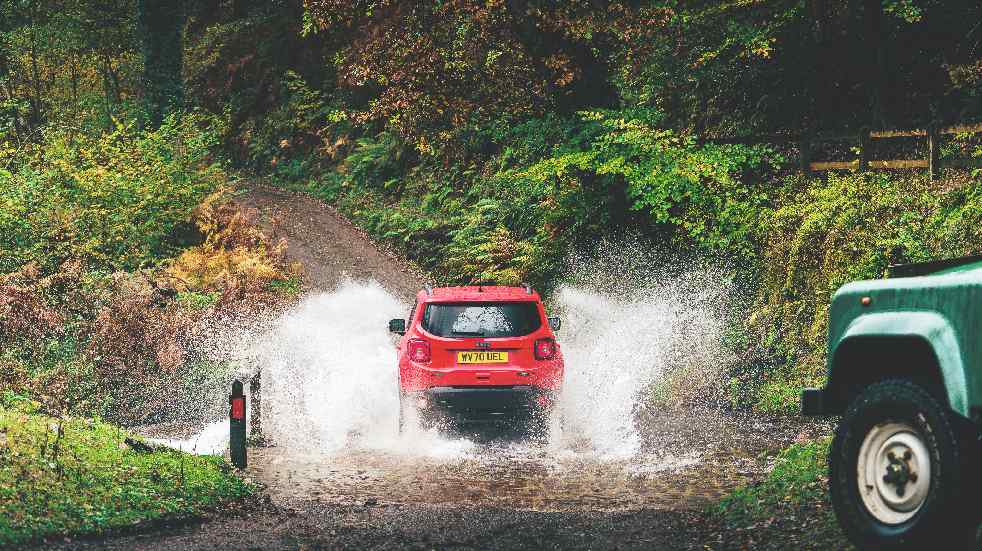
x: 615, y: 349
x: 328, y: 370
x: 212, y: 440
x: 611, y: 350
x: 330, y: 380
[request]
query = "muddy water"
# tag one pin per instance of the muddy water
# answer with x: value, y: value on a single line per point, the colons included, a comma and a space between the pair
x: 330, y: 411
x: 535, y: 477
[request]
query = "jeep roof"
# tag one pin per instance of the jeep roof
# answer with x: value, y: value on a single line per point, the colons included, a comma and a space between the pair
x: 478, y: 293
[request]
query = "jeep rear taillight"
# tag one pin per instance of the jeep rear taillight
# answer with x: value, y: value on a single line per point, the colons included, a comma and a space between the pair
x: 545, y: 349
x: 419, y: 351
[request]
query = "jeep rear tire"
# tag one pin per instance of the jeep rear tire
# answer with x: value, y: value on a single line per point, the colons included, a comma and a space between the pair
x: 898, y: 470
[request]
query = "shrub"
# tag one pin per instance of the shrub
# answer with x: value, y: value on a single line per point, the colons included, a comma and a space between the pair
x: 705, y: 191
x: 118, y: 344
x: 848, y: 227
x: 115, y: 201
x: 237, y: 257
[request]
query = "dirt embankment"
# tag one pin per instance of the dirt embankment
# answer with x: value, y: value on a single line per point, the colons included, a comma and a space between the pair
x: 499, y: 496
x: 330, y: 247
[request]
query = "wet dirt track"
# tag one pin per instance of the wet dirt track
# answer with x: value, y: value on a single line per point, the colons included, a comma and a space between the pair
x: 690, y: 460
x: 497, y: 495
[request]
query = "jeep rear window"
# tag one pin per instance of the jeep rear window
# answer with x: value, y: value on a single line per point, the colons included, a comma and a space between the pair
x: 482, y: 319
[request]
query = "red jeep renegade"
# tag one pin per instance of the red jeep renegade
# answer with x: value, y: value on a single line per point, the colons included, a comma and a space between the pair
x: 478, y: 353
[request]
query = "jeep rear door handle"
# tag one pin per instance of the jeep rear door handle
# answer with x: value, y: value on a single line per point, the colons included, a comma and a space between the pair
x: 483, y: 376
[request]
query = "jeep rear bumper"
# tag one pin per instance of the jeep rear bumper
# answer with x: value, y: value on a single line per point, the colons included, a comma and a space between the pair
x: 813, y: 402
x: 484, y: 403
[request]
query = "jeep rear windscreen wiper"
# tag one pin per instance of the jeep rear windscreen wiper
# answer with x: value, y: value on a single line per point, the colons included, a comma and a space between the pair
x: 468, y: 333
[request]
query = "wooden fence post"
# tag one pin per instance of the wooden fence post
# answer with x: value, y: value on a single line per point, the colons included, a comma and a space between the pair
x: 864, y: 149
x: 805, y: 153
x: 933, y: 152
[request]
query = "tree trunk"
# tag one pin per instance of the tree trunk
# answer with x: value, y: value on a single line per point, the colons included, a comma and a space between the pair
x: 161, y: 25
x: 9, y: 93
x: 876, y: 75
x: 816, y: 79
x: 36, y: 80
x: 73, y: 70
x: 240, y: 8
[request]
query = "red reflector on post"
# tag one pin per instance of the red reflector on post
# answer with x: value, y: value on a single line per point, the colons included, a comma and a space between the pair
x: 238, y: 408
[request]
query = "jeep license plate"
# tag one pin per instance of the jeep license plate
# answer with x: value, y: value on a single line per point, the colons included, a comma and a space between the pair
x: 482, y: 357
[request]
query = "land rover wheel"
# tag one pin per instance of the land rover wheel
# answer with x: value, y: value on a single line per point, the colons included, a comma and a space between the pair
x: 897, y: 472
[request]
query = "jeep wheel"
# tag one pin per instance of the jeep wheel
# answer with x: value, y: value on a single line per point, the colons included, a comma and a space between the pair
x: 897, y: 470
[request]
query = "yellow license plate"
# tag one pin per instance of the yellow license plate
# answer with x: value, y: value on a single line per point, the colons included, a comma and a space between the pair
x: 488, y: 357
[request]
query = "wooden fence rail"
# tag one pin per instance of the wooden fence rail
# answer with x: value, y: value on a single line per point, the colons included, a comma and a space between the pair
x: 864, y: 140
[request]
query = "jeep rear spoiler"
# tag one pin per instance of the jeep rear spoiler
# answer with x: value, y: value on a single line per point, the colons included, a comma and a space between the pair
x: 915, y: 269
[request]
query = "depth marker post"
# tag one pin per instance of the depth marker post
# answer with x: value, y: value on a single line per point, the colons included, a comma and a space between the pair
x: 237, y: 425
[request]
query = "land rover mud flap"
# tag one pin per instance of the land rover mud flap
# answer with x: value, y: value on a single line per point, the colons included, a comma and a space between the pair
x: 813, y: 402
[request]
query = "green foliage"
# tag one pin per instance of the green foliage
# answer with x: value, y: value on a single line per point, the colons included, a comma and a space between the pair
x: 291, y: 286
x: 554, y: 184
x: 65, y: 61
x: 76, y: 476
x: 827, y: 233
x: 198, y: 300
x: 781, y: 396
x: 798, y: 478
x: 294, y: 125
x: 703, y: 190
x: 377, y: 162
x: 114, y: 200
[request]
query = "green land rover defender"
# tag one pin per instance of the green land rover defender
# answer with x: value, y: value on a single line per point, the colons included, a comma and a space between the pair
x: 905, y: 375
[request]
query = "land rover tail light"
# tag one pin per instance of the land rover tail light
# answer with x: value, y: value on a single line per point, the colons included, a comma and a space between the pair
x: 545, y: 349
x: 419, y: 351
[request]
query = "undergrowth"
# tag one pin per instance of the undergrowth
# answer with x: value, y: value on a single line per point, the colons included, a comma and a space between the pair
x: 76, y: 476
x: 826, y: 232
x: 790, y: 504
x: 115, y: 248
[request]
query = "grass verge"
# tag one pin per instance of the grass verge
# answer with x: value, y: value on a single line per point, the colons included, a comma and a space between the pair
x: 789, y: 507
x: 71, y: 476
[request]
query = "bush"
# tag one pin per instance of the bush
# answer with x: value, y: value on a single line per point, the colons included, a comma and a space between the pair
x: 115, y: 201
x: 549, y: 185
x: 117, y: 344
x: 236, y: 259
x: 706, y: 192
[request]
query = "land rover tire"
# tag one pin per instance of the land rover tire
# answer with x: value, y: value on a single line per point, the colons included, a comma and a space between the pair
x: 899, y: 470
